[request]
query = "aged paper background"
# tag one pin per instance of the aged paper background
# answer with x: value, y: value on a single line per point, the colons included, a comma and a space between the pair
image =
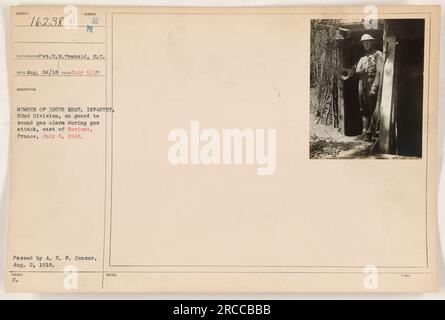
x: 261, y: 233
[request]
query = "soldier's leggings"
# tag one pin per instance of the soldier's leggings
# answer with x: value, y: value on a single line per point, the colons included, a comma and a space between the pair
x: 367, y: 105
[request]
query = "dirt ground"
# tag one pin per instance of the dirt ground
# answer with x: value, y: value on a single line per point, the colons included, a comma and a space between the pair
x: 328, y: 142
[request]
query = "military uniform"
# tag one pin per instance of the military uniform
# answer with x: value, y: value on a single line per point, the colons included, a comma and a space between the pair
x: 369, y: 69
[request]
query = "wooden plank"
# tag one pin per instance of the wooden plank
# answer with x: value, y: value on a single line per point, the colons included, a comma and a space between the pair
x: 387, y: 95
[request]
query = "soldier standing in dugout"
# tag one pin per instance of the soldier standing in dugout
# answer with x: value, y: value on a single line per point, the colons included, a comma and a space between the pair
x: 369, y: 69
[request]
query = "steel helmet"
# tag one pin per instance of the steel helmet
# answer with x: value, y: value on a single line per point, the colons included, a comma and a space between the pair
x: 366, y: 37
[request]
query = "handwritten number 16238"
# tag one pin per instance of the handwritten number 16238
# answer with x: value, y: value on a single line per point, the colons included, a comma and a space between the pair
x: 47, y: 21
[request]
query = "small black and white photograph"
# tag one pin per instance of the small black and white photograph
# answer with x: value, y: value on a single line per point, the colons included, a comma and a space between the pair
x: 366, y: 89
